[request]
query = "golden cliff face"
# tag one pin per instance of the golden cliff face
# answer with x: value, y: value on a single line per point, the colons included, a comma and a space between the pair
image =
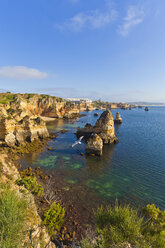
x: 49, y: 107
x: 14, y: 133
x: 20, y: 116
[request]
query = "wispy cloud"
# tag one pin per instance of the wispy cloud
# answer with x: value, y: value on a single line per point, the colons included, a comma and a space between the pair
x: 21, y: 72
x: 93, y: 19
x: 135, y: 16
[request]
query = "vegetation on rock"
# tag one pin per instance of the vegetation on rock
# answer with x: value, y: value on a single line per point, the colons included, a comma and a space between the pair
x: 31, y: 184
x: 12, y: 216
x: 54, y: 218
x: 120, y: 225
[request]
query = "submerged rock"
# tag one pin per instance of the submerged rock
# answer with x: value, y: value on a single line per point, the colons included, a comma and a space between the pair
x: 94, y: 145
x: 118, y: 119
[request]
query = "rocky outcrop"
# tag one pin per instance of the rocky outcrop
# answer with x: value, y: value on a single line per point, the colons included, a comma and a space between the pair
x: 118, y: 119
x: 49, y: 106
x: 94, y: 145
x: 104, y: 128
x: 14, y: 132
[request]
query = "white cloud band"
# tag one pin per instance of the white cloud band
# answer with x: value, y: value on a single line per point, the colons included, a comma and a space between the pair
x: 21, y: 72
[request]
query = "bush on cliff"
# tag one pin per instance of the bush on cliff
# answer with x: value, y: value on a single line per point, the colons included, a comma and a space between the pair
x: 119, y: 225
x: 154, y: 226
x: 12, y: 216
x: 54, y: 218
x: 31, y: 184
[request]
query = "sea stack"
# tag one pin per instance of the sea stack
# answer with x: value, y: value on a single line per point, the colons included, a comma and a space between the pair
x: 105, y: 127
x: 118, y: 119
x: 94, y: 146
x: 146, y: 109
x: 103, y: 131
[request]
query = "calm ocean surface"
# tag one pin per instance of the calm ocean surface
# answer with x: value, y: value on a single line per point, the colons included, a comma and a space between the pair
x: 132, y: 170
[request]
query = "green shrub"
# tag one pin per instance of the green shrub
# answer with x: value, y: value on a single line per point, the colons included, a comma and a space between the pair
x: 154, y: 226
x: 54, y: 218
x: 119, y: 224
x: 31, y: 184
x: 12, y: 216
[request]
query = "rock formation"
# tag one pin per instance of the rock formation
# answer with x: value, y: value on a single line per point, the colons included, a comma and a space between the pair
x: 20, y: 116
x: 94, y: 145
x: 13, y: 132
x: 104, y: 128
x: 118, y: 119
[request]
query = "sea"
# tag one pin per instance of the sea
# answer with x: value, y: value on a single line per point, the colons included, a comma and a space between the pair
x: 132, y: 171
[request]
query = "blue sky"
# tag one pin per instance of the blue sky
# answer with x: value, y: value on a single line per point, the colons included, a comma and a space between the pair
x: 113, y: 50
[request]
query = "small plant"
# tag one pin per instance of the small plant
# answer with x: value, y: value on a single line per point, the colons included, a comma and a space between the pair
x: 12, y: 216
x: 54, y: 218
x: 31, y: 184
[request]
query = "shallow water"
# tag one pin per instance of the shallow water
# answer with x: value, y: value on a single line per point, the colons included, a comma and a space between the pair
x: 132, y: 170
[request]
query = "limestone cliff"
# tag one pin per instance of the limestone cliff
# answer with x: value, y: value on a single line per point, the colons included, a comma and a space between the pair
x: 17, y: 132
x: 20, y: 116
x: 34, y: 104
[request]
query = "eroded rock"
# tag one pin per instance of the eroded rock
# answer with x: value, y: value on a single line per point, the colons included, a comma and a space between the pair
x: 118, y: 119
x: 104, y: 128
x: 94, y: 145
x: 10, y: 140
x: 18, y: 132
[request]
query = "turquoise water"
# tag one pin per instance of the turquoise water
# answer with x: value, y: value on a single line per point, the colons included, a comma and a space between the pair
x: 132, y: 170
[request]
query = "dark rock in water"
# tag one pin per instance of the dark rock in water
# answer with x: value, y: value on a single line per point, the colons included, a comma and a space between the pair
x: 63, y: 131
x: 146, y: 109
x: 118, y: 119
x: 87, y: 131
x: 51, y: 149
x: 94, y: 145
x: 96, y: 114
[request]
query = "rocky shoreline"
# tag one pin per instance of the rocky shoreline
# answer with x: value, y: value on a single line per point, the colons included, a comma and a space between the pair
x: 23, y: 129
